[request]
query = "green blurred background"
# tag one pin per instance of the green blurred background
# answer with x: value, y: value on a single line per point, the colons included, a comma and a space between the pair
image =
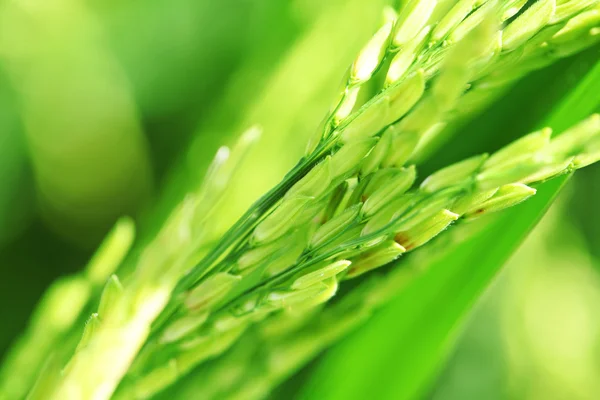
x: 116, y: 107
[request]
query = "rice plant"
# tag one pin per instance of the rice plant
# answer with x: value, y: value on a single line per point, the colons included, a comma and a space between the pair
x: 298, y: 265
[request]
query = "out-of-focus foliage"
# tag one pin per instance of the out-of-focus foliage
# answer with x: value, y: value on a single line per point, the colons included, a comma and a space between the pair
x: 15, y: 191
x: 88, y: 154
